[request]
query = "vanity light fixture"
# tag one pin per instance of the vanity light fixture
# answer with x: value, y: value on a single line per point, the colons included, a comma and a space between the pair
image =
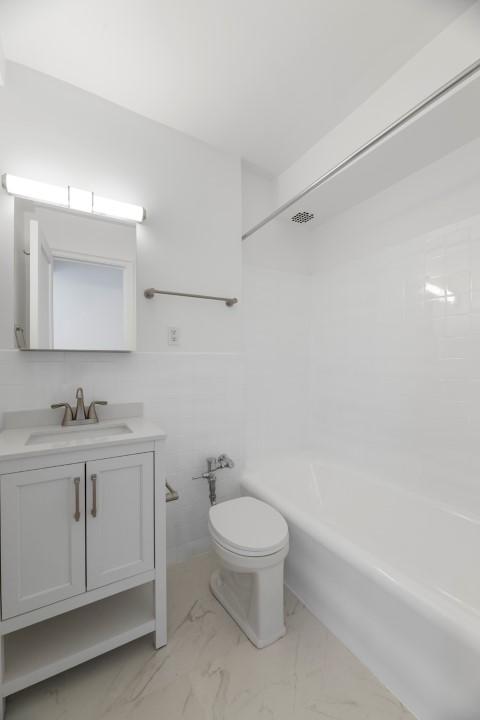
x: 43, y: 192
x: 116, y: 209
x: 73, y: 198
x: 81, y: 200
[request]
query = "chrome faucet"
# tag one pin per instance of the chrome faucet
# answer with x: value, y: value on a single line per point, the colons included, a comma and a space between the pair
x: 78, y: 415
x: 214, y: 464
x: 80, y: 407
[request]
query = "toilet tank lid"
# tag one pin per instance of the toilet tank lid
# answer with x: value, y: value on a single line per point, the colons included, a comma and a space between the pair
x: 248, y: 525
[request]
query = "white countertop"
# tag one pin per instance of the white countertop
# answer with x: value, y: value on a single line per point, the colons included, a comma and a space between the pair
x: 16, y: 443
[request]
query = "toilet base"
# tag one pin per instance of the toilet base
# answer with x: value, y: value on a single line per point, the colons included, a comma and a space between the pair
x: 254, y: 600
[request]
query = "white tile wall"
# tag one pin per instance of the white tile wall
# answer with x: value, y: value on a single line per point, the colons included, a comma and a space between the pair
x: 276, y: 316
x: 196, y: 397
x: 277, y: 322
x: 395, y: 343
x: 360, y: 360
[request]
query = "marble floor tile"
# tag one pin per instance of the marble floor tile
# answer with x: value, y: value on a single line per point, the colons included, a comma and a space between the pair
x: 210, y: 671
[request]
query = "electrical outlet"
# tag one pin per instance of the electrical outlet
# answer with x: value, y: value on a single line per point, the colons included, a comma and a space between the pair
x: 173, y: 336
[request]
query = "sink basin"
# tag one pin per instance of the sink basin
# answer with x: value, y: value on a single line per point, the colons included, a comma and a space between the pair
x: 65, y: 436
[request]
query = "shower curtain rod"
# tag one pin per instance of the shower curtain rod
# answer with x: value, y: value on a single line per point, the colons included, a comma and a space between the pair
x: 363, y: 149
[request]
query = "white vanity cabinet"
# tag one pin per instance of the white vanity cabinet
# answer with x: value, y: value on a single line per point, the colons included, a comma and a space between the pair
x: 119, y: 518
x: 82, y: 528
x: 43, y: 543
x: 57, y: 543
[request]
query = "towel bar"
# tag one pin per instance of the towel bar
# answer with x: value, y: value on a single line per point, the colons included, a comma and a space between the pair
x: 150, y: 292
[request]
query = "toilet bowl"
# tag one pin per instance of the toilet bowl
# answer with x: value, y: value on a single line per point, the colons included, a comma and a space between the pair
x: 250, y: 540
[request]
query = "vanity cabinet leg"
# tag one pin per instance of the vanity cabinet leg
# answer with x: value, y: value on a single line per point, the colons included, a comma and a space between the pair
x: 160, y: 600
x: 160, y: 584
x: 160, y: 635
x: 2, y: 671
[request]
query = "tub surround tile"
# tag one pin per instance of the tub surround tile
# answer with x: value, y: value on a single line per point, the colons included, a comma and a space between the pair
x: 396, y: 394
x: 210, y: 671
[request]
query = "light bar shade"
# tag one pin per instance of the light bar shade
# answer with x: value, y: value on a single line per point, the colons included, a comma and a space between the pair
x: 116, y: 209
x: 73, y: 198
x: 34, y: 190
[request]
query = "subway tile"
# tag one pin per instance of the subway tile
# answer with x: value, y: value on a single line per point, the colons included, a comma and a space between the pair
x: 401, y: 397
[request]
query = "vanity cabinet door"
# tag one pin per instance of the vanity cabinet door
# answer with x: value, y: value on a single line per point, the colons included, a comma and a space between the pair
x: 43, y: 537
x: 120, y: 527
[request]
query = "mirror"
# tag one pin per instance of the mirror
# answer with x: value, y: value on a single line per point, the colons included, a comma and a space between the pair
x: 74, y: 280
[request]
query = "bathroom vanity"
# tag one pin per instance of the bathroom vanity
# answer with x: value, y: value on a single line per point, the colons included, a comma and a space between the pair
x: 82, y: 543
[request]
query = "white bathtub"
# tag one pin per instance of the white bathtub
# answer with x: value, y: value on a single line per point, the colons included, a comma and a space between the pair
x: 395, y: 576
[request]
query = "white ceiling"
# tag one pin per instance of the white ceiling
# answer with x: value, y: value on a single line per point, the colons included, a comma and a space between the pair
x: 264, y: 79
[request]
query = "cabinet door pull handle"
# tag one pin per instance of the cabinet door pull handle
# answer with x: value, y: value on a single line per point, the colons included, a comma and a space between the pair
x: 94, y: 495
x: 77, y: 498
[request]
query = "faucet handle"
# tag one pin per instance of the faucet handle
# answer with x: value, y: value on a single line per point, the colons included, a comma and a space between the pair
x: 92, y: 411
x: 225, y: 462
x: 67, y: 415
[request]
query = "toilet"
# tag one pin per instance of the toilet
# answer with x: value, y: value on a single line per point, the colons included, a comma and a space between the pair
x: 250, y: 539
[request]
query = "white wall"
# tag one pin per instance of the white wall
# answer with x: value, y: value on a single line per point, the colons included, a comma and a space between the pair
x: 387, y: 367
x: 395, y: 373
x: 276, y: 267
x: 2, y: 65
x: 54, y: 132
x: 452, y: 50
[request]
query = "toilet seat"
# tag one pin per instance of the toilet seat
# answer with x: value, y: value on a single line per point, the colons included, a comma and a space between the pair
x: 249, y: 527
